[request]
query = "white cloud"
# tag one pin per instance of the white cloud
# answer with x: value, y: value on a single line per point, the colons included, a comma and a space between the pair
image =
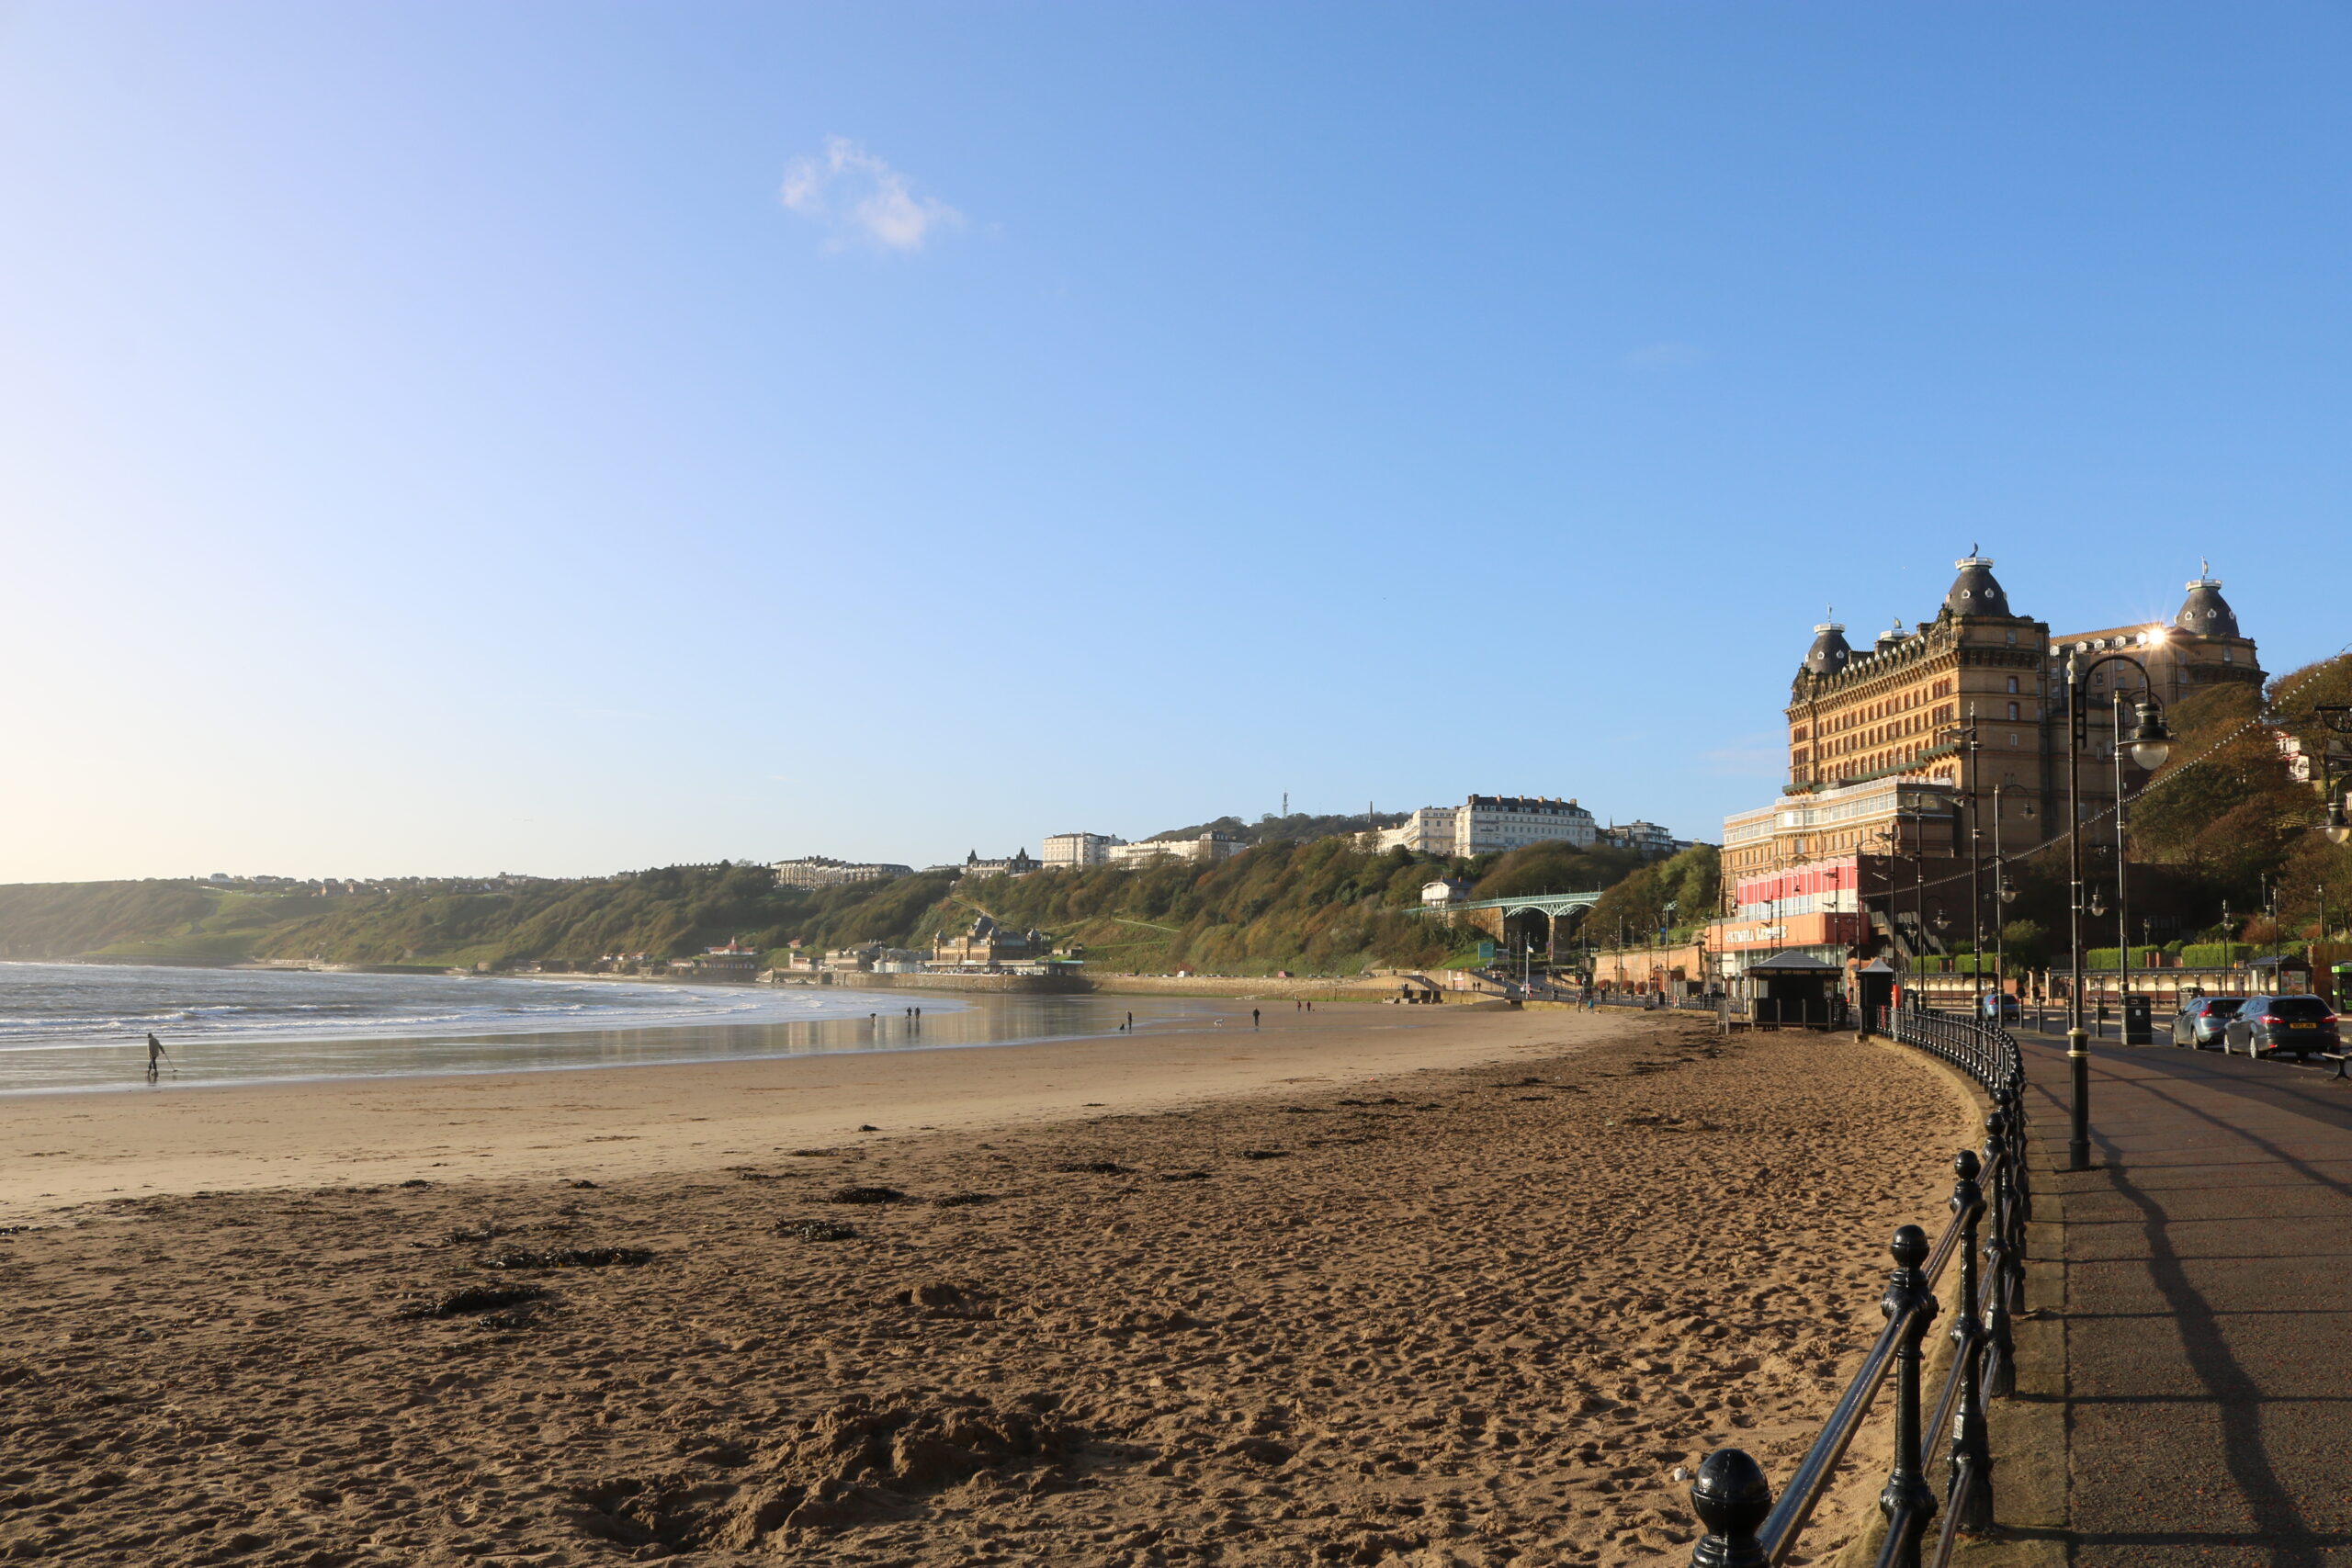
x: 860, y: 199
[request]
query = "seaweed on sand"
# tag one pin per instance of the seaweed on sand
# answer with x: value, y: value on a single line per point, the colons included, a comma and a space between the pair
x: 469, y: 1300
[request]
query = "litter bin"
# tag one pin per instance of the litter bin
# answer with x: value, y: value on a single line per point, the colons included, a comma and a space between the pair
x: 2136, y: 1029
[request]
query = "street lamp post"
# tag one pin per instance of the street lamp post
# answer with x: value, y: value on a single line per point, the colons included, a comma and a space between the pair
x: 2122, y: 892
x: 2151, y: 744
x: 2338, y: 720
x: 1919, y: 878
x: 1944, y: 928
x: 2099, y: 911
x: 1965, y: 734
x: 2270, y: 913
x: 1976, y: 876
x: 2004, y: 893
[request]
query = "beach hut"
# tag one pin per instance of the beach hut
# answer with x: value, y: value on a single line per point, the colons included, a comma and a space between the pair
x: 1794, y: 987
x: 1874, y: 989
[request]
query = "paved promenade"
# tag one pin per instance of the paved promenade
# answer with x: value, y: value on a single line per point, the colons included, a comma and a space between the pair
x: 2208, y: 1307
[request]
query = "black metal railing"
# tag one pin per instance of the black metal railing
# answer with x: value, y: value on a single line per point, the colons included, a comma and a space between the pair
x: 1991, y: 1204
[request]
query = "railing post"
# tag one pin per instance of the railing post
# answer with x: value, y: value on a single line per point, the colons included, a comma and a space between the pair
x: 1732, y: 1499
x: 1969, y: 1494
x: 2019, y: 1213
x: 2000, y: 1372
x: 1906, y: 1501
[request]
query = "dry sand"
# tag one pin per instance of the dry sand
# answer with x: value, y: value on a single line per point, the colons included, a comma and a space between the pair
x: 1469, y: 1314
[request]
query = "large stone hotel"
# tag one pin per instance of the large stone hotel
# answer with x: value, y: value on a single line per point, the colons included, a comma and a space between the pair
x: 1870, y: 837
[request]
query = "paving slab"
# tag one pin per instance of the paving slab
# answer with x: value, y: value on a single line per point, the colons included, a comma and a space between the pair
x: 2208, y: 1307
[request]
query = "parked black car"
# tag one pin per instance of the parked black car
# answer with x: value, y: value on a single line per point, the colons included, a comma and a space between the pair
x: 2296, y: 1026
x: 2200, y: 1022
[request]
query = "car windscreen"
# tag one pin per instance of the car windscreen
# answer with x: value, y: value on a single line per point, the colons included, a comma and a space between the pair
x: 2296, y: 1008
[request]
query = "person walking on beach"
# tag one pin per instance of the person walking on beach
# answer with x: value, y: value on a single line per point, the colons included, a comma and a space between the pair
x: 1253, y: 1018
x: 155, y: 1052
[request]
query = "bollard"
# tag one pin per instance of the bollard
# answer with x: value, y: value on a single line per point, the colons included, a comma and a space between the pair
x: 1969, y: 1494
x: 1906, y: 1501
x: 1732, y: 1499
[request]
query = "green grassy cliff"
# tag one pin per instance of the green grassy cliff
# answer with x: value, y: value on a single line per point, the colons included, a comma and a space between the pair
x: 1319, y: 906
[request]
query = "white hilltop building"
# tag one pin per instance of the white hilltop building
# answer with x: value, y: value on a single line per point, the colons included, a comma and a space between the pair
x: 1489, y: 824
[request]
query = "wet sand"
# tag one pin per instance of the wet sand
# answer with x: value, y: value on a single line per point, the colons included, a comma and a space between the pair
x: 183, y: 1135
x: 1460, y: 1294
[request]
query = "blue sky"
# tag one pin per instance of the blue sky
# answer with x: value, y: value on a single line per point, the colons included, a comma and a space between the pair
x: 562, y: 437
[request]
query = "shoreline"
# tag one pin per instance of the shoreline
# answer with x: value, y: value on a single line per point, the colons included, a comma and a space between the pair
x: 1160, y: 1028
x: 80, y: 1146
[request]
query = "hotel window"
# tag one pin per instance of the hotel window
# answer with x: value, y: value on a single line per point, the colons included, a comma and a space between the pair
x: 2013, y: 707
x: 2013, y: 684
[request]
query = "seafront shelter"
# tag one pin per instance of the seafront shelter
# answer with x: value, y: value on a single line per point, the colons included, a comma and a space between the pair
x: 1795, y: 988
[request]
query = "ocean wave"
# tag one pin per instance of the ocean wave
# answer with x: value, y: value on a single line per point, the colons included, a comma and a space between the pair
x: 52, y: 1005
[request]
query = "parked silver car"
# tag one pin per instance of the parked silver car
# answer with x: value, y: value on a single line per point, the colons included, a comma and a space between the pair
x: 2294, y: 1026
x: 2200, y: 1024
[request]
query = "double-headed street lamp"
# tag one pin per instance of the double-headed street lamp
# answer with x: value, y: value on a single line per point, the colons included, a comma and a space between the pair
x: 2151, y: 744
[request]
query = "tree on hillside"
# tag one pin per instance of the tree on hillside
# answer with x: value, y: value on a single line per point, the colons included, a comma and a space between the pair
x: 2224, y: 803
x: 1692, y: 881
x: 2226, y: 808
x: 1555, y: 867
x: 1299, y: 826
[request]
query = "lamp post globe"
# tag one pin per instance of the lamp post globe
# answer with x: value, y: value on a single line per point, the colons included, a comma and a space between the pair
x: 2151, y: 742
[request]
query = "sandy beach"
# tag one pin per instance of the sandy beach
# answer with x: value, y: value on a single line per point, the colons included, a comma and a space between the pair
x: 185, y: 1137
x: 1465, y: 1292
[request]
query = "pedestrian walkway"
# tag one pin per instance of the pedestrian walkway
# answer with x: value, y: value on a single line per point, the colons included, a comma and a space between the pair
x: 2208, y: 1311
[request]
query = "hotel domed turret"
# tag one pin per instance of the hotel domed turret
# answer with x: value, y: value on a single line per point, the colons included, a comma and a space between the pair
x: 1829, y: 652
x: 2205, y: 612
x: 1974, y: 591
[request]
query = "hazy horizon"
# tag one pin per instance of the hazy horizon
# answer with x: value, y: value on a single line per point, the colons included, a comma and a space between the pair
x: 444, y: 438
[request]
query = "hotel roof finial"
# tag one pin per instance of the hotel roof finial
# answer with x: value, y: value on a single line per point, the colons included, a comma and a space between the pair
x: 2205, y: 611
x: 1974, y: 591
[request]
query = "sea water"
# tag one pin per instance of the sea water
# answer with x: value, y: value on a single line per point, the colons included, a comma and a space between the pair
x: 77, y: 1026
